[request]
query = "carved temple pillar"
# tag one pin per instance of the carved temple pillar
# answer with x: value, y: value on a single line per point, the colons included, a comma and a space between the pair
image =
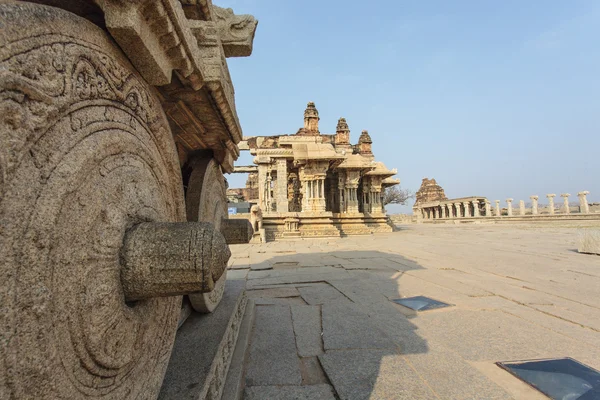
x: 467, y: 209
x: 282, y: 192
x: 262, y: 187
x: 457, y: 207
x: 565, y: 197
x: 476, y: 208
x: 488, y: 208
x: 551, y: 203
x: 498, y: 208
x: 534, y: 204
x: 521, y: 207
x: 584, y: 207
x: 320, y: 203
x: 509, y: 207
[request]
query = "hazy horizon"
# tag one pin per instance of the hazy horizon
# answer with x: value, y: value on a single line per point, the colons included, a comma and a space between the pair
x: 490, y: 99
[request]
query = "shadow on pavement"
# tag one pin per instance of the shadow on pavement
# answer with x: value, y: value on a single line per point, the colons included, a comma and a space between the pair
x: 326, y: 318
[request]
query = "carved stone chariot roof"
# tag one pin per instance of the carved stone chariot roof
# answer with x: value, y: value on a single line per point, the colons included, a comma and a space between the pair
x: 382, y: 170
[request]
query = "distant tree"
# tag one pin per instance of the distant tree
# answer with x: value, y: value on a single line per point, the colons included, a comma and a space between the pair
x: 396, y: 195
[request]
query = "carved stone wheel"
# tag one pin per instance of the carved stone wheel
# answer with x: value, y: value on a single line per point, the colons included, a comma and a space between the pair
x: 85, y: 154
x: 206, y: 201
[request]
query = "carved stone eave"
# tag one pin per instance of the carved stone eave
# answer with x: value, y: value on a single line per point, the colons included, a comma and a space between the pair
x: 181, y: 47
x: 197, y: 9
x: 387, y: 182
x: 156, y: 39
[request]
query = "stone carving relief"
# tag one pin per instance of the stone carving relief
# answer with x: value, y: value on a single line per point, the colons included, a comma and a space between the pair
x: 85, y: 153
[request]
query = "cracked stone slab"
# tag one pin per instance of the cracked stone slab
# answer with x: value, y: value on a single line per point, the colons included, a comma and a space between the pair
x: 346, y: 326
x: 313, y: 392
x: 374, y: 374
x: 273, y: 358
x: 279, y: 301
x: 275, y: 292
x: 307, y: 328
x: 321, y: 293
x: 312, y: 372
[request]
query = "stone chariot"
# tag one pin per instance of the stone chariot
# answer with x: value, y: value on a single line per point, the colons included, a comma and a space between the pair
x: 117, y: 121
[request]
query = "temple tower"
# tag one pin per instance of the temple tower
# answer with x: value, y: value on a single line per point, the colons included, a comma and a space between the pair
x: 364, y: 144
x: 342, y: 133
x: 311, y: 119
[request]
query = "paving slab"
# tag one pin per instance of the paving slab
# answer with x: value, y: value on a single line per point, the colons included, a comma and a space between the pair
x: 307, y: 328
x: 346, y: 326
x: 280, y: 301
x: 312, y: 372
x: 321, y: 293
x: 314, y: 392
x: 289, y: 291
x: 273, y: 359
x: 373, y: 374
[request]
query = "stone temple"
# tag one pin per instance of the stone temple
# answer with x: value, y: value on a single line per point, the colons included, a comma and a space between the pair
x: 314, y: 184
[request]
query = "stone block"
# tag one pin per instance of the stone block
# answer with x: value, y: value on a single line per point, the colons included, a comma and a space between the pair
x: 373, y: 374
x: 203, y: 347
x: 321, y: 392
x: 236, y: 231
x: 589, y: 241
x: 273, y: 357
x: 345, y: 326
x: 307, y: 328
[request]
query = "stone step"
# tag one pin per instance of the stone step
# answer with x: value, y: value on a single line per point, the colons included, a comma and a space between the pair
x: 204, y: 347
x: 234, y: 385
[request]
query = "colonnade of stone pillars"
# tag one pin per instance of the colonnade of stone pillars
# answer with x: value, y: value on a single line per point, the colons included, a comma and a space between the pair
x: 374, y: 203
x: 584, y: 206
x: 314, y: 195
x: 475, y: 208
x: 351, y: 200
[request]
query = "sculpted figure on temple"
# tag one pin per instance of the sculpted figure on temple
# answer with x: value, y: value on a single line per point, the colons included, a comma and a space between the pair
x: 256, y: 218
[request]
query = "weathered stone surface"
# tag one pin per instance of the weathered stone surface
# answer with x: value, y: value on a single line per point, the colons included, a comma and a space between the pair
x: 345, y: 326
x: 234, y: 384
x: 589, y: 241
x: 313, y: 392
x: 203, y: 349
x: 321, y: 293
x: 276, y: 292
x: 373, y: 374
x: 166, y: 259
x: 307, y: 328
x: 273, y: 357
x: 312, y: 373
x: 429, y: 191
x: 86, y: 153
x: 236, y: 231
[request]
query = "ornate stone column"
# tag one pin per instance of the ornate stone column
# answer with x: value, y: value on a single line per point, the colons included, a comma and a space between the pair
x: 282, y: 193
x: 509, y: 206
x: 444, y: 212
x: 521, y: 207
x: 488, y: 208
x: 269, y: 204
x: 458, y: 213
x: 584, y: 207
x: 475, y: 208
x: 551, y: 203
x: 467, y: 211
x: 565, y: 197
x: 498, y: 208
x: 534, y: 204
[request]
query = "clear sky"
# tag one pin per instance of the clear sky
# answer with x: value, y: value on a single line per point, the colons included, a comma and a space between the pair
x: 491, y: 98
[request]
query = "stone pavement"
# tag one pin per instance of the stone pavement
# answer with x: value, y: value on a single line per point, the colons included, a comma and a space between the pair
x: 325, y: 326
